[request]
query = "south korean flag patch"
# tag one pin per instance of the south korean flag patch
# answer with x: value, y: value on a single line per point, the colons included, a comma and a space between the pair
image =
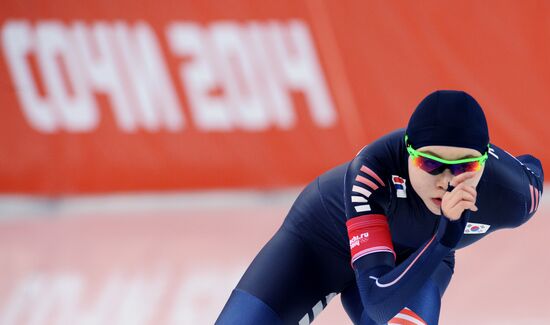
x: 473, y: 228
x: 400, y: 186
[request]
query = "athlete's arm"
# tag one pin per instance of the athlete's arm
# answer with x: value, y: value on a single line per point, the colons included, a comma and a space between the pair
x: 535, y: 180
x: 385, y: 288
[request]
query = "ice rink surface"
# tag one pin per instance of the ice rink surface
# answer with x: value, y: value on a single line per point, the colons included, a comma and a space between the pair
x: 174, y: 258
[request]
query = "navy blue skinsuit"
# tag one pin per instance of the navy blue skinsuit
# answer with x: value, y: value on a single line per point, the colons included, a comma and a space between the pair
x: 308, y: 260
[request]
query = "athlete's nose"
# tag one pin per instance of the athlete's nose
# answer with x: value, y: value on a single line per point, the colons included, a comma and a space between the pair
x: 444, y: 178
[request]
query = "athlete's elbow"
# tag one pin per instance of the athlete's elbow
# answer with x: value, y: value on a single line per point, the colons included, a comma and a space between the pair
x: 378, y: 313
x: 534, y: 166
x: 379, y: 308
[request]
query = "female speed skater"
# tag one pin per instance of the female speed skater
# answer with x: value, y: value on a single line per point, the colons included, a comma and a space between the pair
x: 382, y: 229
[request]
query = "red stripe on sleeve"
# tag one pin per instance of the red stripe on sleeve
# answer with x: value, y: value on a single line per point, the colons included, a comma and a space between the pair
x: 536, y: 199
x: 370, y: 172
x: 367, y: 182
x: 532, y: 198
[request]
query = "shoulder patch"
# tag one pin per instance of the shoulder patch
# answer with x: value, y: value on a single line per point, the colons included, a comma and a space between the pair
x: 400, y: 185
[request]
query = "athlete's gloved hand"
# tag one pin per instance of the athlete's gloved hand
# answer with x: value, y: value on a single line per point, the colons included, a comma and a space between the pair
x: 455, y: 209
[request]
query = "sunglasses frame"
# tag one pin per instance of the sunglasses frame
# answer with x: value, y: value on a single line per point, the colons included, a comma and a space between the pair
x: 415, y: 153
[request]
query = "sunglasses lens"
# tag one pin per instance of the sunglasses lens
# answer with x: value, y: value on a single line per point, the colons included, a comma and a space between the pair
x: 428, y: 165
x: 435, y: 167
x: 457, y: 169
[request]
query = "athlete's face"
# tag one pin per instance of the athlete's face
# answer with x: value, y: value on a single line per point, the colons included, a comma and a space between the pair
x: 431, y: 188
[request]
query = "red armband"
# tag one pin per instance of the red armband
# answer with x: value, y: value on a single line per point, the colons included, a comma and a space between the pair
x: 369, y: 234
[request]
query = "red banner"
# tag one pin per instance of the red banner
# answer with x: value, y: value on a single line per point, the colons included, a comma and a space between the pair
x: 151, y: 95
